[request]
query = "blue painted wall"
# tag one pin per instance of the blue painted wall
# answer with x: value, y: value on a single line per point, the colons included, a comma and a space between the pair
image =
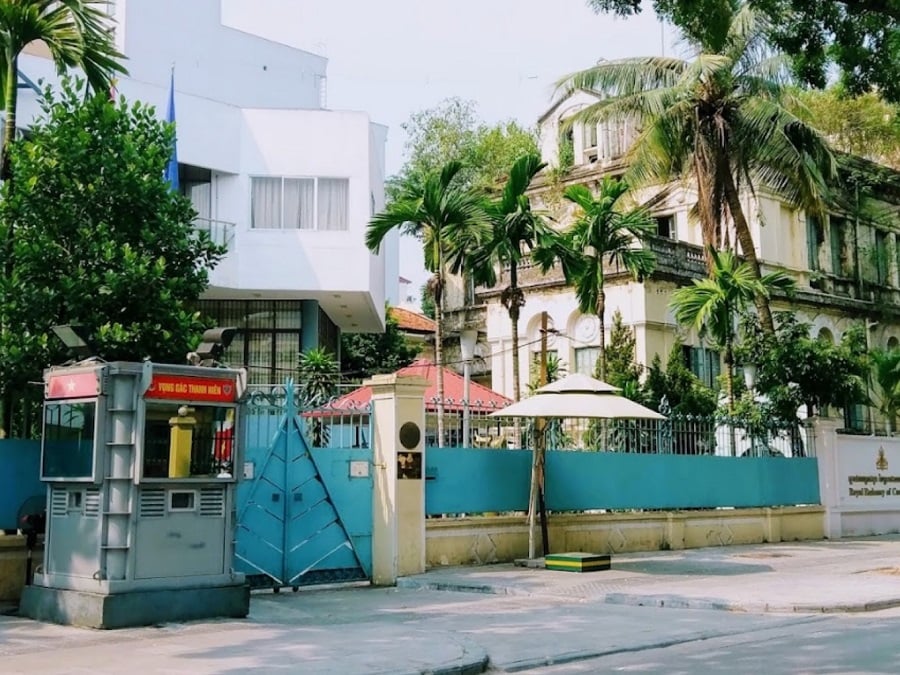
x: 462, y: 480
x: 20, y: 471
x: 471, y: 480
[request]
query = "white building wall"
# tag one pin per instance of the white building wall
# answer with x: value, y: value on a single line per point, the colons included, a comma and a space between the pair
x: 213, y: 60
x: 247, y: 106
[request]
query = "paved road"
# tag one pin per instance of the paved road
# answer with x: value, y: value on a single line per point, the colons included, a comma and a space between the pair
x: 378, y: 631
x: 834, y: 644
x: 732, y: 609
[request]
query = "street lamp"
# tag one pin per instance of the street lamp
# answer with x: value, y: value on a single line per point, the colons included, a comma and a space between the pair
x: 750, y: 376
x: 467, y: 340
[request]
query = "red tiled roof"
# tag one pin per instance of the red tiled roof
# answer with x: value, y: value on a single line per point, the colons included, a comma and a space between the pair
x: 480, y: 396
x: 412, y: 322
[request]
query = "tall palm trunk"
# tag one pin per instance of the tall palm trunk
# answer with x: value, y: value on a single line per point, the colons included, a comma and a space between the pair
x: 439, y: 350
x: 748, y: 250
x: 709, y: 224
x: 514, y: 311
x: 601, y: 315
x: 10, y: 97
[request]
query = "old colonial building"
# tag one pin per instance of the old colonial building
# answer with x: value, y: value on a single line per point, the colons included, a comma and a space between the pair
x: 845, y: 265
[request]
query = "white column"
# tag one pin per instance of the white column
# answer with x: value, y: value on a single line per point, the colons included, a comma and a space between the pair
x: 825, y: 434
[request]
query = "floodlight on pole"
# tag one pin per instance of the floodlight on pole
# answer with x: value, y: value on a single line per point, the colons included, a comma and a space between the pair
x: 75, y: 339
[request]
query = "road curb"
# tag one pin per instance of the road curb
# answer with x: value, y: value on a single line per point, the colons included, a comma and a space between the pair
x: 474, y: 661
x: 659, y: 601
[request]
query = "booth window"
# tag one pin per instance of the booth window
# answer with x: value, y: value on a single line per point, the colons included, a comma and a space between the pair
x: 68, y: 440
x: 182, y: 441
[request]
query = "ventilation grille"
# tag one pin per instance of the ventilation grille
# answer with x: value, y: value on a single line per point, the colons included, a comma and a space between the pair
x: 212, y: 502
x: 92, y: 502
x: 59, y: 502
x: 153, y: 503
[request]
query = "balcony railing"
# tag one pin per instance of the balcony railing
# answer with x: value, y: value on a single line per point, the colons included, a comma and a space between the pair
x: 673, y: 259
x: 220, y: 232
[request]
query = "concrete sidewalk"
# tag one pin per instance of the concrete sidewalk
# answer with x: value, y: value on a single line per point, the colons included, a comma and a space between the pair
x: 517, y: 619
x: 849, y: 575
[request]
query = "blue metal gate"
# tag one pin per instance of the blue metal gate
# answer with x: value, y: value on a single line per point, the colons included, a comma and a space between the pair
x: 304, y: 514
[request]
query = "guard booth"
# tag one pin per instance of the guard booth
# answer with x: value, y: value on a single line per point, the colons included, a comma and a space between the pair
x: 139, y: 461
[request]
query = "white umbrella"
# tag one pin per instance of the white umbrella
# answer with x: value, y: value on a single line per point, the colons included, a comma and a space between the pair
x: 573, y: 396
x: 578, y: 396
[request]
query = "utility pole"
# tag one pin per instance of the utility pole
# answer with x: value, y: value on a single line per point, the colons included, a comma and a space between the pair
x: 540, y: 441
x: 536, y: 498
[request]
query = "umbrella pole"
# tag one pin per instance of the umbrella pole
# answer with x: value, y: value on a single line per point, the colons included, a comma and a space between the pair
x: 545, y: 535
x: 532, y: 504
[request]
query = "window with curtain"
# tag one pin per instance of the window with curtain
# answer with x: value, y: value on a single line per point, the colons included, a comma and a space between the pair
x: 586, y: 359
x: 200, y: 195
x: 265, y: 203
x: 334, y: 200
x: 300, y: 203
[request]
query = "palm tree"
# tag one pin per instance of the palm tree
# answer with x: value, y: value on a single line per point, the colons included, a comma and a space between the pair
x: 603, y: 235
x: 450, y: 221
x: 712, y: 305
x: 516, y: 230
x: 724, y: 119
x: 76, y: 33
x: 318, y: 373
x: 886, y: 368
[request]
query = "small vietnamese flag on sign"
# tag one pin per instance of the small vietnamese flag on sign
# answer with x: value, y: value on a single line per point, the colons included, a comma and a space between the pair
x: 171, y: 172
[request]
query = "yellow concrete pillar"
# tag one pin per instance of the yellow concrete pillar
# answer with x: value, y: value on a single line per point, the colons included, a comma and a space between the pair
x: 398, y: 449
x: 181, y: 438
x: 675, y: 531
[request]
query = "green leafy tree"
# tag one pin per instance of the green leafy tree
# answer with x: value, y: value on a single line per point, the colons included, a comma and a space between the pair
x: 712, y: 306
x: 622, y: 370
x: 886, y: 369
x: 516, y: 230
x: 722, y: 119
x: 860, y: 38
x: 449, y: 219
x: 367, y: 354
x: 427, y: 301
x: 684, y: 393
x: 452, y: 131
x: 863, y: 125
x: 102, y: 241
x: 603, y: 233
x: 794, y: 368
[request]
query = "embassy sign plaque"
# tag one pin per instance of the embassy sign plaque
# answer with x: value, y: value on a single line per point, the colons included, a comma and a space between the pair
x: 872, y: 484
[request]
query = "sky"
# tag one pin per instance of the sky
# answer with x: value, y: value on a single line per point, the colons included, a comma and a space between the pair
x: 392, y: 58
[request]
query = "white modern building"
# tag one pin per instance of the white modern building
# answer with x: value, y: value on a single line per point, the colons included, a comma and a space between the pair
x: 286, y: 184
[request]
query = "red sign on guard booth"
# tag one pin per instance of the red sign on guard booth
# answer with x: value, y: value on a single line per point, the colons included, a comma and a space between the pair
x: 73, y: 385
x: 182, y: 388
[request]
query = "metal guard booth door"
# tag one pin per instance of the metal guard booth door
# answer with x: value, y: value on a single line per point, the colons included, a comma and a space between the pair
x: 304, y: 515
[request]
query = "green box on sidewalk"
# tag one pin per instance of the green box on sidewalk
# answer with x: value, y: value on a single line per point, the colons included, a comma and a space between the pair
x: 577, y: 562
